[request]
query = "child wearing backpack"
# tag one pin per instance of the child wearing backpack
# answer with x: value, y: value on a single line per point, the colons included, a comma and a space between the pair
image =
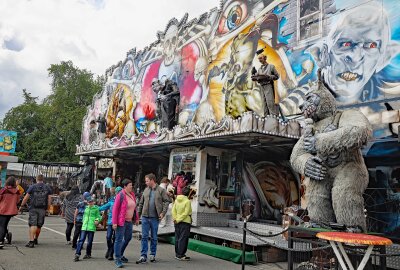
x: 78, y: 217
x: 91, y: 219
x: 110, y: 231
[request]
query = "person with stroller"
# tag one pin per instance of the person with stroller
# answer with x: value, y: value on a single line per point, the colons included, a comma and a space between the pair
x: 9, y: 198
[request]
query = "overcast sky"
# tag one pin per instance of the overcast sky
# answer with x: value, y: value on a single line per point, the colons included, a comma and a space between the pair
x: 93, y: 34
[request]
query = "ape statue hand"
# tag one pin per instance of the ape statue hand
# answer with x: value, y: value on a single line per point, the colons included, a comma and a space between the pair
x: 330, y: 127
x: 309, y: 144
x: 314, y: 169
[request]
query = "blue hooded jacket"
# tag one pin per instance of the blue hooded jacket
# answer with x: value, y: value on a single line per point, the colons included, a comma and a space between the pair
x: 108, y: 206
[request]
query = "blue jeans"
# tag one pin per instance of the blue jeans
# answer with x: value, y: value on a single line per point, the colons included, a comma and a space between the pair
x: 82, y: 239
x: 110, y: 239
x: 123, y: 235
x: 149, y: 225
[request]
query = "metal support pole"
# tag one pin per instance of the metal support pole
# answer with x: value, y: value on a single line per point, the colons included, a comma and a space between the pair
x: 244, y: 244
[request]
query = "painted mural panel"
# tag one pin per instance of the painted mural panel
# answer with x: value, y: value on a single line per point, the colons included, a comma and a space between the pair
x: 356, y: 43
x: 210, y: 58
x: 8, y: 141
x: 269, y: 187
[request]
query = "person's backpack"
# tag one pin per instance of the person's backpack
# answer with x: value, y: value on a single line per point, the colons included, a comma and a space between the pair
x: 40, y: 194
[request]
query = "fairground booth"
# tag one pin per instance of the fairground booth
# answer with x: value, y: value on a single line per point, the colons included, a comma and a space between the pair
x: 191, y: 102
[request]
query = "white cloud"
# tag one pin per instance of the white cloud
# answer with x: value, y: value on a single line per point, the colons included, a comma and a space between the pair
x: 94, y: 34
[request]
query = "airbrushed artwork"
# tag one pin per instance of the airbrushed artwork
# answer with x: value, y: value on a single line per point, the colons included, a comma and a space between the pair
x: 209, y: 61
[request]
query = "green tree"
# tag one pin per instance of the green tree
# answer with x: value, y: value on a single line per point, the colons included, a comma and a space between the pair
x: 72, y: 91
x: 26, y: 119
x: 51, y: 129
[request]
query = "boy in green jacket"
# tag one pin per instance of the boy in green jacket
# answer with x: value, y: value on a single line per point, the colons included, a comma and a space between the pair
x: 91, y: 219
x: 182, y: 216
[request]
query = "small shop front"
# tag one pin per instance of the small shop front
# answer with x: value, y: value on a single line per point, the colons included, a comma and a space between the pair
x: 235, y: 173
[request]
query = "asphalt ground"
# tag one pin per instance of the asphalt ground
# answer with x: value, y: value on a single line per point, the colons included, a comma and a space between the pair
x: 52, y: 253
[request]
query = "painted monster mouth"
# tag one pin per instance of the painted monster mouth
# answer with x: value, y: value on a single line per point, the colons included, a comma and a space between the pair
x: 349, y: 76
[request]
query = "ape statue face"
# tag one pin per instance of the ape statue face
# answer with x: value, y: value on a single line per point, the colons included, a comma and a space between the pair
x: 310, y: 105
x: 319, y: 104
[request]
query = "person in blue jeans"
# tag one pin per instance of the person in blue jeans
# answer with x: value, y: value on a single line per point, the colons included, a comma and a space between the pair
x: 91, y: 219
x: 78, y: 217
x: 110, y: 236
x: 153, y: 206
x: 124, y: 213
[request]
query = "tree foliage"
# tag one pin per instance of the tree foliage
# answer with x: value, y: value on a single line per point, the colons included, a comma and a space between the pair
x: 49, y: 130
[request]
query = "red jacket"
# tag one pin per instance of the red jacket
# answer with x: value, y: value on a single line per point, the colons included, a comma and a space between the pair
x: 9, y: 198
x: 120, y: 208
x: 179, y: 183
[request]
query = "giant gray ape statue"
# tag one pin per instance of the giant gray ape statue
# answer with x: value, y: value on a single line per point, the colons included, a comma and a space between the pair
x: 329, y: 155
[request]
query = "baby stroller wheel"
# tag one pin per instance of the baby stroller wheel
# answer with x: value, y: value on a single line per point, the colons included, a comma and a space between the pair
x: 9, y: 238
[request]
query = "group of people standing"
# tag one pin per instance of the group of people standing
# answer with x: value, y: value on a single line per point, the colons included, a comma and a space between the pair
x: 124, y: 211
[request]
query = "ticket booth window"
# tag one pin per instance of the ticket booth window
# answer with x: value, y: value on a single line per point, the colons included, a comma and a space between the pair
x: 184, y: 162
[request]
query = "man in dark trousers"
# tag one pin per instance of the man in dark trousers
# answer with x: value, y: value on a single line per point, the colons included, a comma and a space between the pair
x: 265, y: 76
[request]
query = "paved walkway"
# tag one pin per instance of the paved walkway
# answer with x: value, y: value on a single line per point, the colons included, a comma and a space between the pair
x: 53, y: 254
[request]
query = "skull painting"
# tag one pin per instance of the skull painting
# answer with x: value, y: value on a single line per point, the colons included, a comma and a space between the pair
x: 170, y: 44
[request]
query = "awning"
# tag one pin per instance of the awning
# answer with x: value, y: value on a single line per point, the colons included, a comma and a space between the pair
x: 248, y: 130
x: 382, y: 152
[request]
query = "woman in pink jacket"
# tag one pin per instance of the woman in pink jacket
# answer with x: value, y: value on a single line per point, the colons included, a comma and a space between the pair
x: 179, y: 182
x: 9, y: 198
x: 123, y: 214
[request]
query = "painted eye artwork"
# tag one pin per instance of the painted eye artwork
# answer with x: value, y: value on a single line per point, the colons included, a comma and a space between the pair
x: 346, y: 44
x: 370, y: 45
x: 232, y: 17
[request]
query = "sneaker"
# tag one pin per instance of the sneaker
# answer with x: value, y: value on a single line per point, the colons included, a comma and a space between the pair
x: 141, y: 260
x: 110, y: 257
x: 107, y: 254
x: 1, y: 244
x: 35, y: 241
x: 124, y: 259
x: 185, y: 258
x: 118, y: 264
x: 76, y: 259
x: 68, y: 243
x: 152, y: 258
x: 30, y: 244
x: 87, y: 257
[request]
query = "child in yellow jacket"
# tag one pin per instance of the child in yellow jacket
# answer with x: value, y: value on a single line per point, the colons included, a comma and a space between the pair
x: 182, y: 216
